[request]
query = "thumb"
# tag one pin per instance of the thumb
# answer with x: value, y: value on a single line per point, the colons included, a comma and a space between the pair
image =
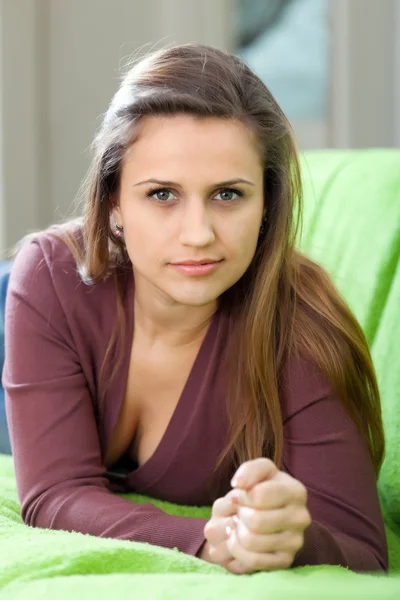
x: 254, y: 471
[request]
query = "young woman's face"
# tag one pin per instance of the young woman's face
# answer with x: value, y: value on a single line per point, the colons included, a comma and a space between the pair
x: 191, y: 190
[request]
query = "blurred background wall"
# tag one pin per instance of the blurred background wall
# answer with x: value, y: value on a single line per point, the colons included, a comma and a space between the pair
x: 333, y: 65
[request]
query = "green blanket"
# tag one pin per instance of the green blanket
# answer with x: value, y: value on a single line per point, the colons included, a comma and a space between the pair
x: 40, y: 563
x: 352, y: 227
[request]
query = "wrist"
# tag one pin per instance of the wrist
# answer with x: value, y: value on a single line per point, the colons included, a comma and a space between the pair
x: 203, y: 552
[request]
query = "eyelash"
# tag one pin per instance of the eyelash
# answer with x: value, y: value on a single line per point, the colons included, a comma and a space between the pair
x: 151, y: 193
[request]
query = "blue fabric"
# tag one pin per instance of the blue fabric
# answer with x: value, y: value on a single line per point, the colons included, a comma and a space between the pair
x: 5, y: 447
x: 292, y: 57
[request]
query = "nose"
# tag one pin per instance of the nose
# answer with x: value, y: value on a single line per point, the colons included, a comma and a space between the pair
x: 196, y: 227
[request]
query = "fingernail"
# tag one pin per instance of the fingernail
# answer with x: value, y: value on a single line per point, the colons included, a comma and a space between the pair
x: 229, y: 531
x: 240, y: 497
x: 238, y: 480
x: 235, y: 496
x: 235, y: 520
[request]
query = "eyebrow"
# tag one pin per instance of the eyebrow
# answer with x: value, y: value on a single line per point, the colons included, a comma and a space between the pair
x: 172, y: 183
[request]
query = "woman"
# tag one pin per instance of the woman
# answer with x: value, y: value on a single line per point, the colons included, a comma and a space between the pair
x: 175, y: 343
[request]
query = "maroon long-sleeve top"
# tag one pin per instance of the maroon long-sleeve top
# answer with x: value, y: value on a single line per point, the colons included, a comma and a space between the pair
x: 57, y: 330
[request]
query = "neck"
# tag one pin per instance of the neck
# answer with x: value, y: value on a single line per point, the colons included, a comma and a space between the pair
x: 159, y: 320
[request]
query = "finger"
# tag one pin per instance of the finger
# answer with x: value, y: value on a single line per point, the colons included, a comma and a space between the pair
x: 264, y: 496
x: 273, y: 494
x: 236, y: 567
x: 225, y: 506
x: 284, y: 541
x: 253, y: 471
x: 215, y: 529
x: 220, y: 554
x: 267, y: 561
x: 274, y: 521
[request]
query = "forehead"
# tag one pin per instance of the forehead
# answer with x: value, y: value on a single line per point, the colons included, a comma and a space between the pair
x: 212, y: 143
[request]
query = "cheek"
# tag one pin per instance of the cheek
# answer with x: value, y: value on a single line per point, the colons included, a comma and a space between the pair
x: 244, y: 241
x: 142, y: 243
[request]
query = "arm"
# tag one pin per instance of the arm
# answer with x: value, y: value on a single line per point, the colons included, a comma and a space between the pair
x: 55, y: 443
x: 324, y: 450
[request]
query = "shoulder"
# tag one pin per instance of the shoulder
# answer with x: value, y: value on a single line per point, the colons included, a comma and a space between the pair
x: 48, y: 245
x: 45, y: 272
x: 40, y: 256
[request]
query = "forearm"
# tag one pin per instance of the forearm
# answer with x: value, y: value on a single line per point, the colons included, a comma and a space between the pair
x: 96, y: 511
x: 203, y: 551
x: 321, y: 546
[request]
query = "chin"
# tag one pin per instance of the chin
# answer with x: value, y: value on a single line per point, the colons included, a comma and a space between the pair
x: 195, y: 297
x: 199, y: 300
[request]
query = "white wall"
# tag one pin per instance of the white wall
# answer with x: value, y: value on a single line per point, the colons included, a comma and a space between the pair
x: 20, y: 117
x: 59, y: 67
x: 2, y: 199
x: 365, y: 77
x: 396, y: 22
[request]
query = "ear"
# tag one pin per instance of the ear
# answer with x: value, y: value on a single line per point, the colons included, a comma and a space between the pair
x: 116, y: 212
x: 112, y: 202
x: 114, y: 209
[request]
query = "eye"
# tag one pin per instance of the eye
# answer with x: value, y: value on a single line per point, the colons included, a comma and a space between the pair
x: 227, y: 193
x: 159, y: 194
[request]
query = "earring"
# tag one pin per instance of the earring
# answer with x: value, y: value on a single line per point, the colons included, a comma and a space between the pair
x: 119, y: 230
x: 262, y: 228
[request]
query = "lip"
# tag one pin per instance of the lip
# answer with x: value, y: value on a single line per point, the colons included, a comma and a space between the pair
x: 202, y: 261
x: 193, y: 268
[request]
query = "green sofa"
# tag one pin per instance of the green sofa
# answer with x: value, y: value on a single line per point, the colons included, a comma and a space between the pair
x: 352, y: 227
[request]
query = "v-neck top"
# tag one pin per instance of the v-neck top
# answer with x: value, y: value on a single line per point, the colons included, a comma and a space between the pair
x: 57, y: 330
x: 158, y: 476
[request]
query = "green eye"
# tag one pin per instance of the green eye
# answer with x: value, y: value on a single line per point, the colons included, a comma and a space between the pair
x: 160, y: 194
x: 228, y: 193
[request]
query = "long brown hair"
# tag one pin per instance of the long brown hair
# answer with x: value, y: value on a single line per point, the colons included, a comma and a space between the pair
x: 285, y: 304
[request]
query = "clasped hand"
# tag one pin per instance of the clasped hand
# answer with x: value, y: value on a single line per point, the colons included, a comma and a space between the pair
x: 259, y: 525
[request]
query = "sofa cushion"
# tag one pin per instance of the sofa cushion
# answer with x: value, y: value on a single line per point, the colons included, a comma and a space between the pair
x: 352, y: 227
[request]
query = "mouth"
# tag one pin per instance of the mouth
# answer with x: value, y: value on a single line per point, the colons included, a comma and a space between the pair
x: 196, y: 268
